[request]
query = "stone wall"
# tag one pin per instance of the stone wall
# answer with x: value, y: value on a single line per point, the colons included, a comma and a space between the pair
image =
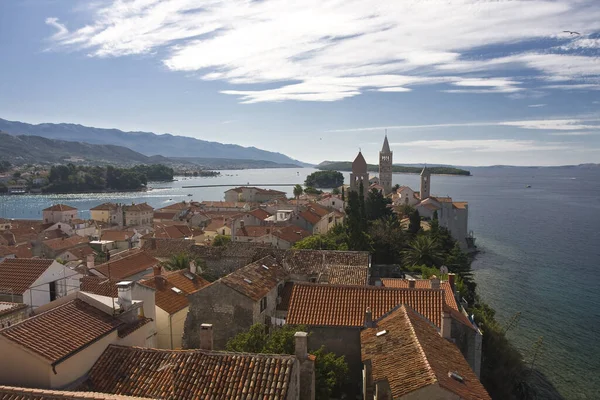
x: 227, y: 310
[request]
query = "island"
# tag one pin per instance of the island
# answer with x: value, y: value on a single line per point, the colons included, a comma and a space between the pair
x: 398, y: 169
x: 325, y: 179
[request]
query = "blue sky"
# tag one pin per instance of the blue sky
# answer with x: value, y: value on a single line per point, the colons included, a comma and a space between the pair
x: 459, y: 82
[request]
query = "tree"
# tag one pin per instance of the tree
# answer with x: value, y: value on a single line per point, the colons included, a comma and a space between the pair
x: 395, y: 188
x: 423, y: 250
x: 325, y: 179
x: 330, y: 371
x: 343, y: 194
x: 376, y: 206
x: 388, y: 240
x: 335, y: 191
x: 297, y: 193
x: 4, y: 166
x: 221, y: 240
x: 182, y: 261
x: 320, y: 242
x: 414, y: 225
x: 356, y: 224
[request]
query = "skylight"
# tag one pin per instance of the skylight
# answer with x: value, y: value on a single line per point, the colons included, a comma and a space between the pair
x: 177, y: 290
x: 381, y: 333
x: 247, y: 280
x: 456, y: 376
x: 265, y: 267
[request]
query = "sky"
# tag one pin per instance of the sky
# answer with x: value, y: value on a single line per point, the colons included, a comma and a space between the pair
x: 469, y: 82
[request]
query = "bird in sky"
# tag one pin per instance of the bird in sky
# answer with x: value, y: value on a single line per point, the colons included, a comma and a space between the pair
x: 572, y: 32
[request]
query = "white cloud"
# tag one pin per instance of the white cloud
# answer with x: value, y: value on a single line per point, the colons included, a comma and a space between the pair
x: 575, y: 133
x: 484, y: 145
x: 580, y: 86
x: 536, y: 105
x: 316, y: 50
x: 61, y: 30
x: 548, y: 124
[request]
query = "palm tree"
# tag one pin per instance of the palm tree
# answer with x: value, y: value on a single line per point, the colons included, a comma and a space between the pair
x: 298, y: 191
x: 423, y: 250
x: 177, y: 262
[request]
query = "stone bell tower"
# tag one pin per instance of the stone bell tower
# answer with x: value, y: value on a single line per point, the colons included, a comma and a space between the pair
x: 359, y: 174
x: 425, y: 183
x: 385, y: 167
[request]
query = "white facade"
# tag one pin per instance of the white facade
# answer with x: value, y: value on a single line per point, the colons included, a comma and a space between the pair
x: 57, y: 281
x: 59, y: 216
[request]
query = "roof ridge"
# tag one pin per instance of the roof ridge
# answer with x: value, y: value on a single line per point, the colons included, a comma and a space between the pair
x: 202, y: 351
x: 7, y: 329
x: 430, y: 370
x: 366, y: 287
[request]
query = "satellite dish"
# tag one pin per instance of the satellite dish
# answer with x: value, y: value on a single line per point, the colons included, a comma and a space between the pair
x: 443, y: 270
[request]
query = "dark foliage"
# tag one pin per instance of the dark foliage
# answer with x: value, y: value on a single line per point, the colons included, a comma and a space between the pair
x: 325, y: 179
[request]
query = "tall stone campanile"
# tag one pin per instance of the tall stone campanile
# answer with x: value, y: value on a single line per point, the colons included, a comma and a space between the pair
x: 359, y: 174
x: 425, y: 183
x: 385, y: 167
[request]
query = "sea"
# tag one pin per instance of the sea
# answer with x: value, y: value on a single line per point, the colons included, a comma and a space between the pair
x: 536, y: 229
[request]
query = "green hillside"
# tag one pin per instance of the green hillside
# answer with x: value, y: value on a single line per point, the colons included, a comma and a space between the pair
x: 400, y: 169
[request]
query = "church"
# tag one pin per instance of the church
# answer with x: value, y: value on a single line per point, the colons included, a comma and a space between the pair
x: 451, y: 214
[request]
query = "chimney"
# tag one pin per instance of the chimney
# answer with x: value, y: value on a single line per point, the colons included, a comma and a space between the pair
x: 451, y: 278
x: 206, y: 336
x: 369, y: 318
x: 411, y: 283
x: 193, y: 268
x: 159, y: 280
x: 90, y: 261
x: 153, y: 241
x: 124, y: 293
x: 367, y: 379
x: 435, y: 282
x: 307, y: 366
x: 446, y: 330
x: 241, y: 224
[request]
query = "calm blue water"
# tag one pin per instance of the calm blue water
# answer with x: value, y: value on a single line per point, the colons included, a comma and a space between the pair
x: 539, y: 251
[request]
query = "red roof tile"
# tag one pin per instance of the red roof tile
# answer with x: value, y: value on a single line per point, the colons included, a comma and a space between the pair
x: 104, y: 207
x: 291, y: 233
x: 337, y: 305
x: 18, y: 274
x: 329, y: 266
x: 60, y: 207
x: 254, y: 280
x: 168, y: 299
x: 311, y: 217
x: 412, y: 355
x: 65, y: 243
x: 127, y: 266
x: 260, y: 213
x: 82, y: 252
x: 164, y: 215
x: 18, y: 393
x: 8, y: 307
x: 116, y: 235
x: 60, y: 331
x: 98, y: 285
x: 191, y: 374
x: 142, y: 207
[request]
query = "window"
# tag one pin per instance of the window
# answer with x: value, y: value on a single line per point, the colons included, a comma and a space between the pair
x: 263, y: 304
x: 52, y: 290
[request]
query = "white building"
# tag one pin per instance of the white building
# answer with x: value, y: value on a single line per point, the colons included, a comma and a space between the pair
x: 59, y: 213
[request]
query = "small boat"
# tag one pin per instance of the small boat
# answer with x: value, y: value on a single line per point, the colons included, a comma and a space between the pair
x: 170, y: 199
x: 189, y: 195
x: 528, y: 186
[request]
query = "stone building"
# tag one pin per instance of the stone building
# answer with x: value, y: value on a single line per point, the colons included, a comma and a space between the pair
x: 425, y: 183
x: 59, y: 213
x: 359, y: 174
x: 235, y: 302
x: 385, y: 167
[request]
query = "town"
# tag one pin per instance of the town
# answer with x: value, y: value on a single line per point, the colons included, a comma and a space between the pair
x: 238, y: 298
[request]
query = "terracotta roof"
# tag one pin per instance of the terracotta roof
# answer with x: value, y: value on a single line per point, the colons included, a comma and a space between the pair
x: 60, y: 207
x: 127, y: 266
x: 8, y: 307
x: 179, y: 231
x: 164, y: 248
x: 104, y: 207
x: 216, y: 223
x: 65, y: 243
x: 18, y: 393
x: 60, y: 331
x: 254, y: 230
x: 7, y: 251
x: 224, y: 204
x: 199, y: 374
x: 254, y: 280
x: 179, y: 206
x: 412, y: 355
x: 260, y: 213
x: 359, y: 165
x: 141, y: 207
x: 442, y: 199
x: 311, y: 217
x: 99, y: 285
x: 116, y: 235
x: 344, y: 275
x: 460, y: 204
x: 291, y: 233
x: 19, y: 274
x: 164, y: 215
x: 337, y: 305
x: 54, y: 234
x: 169, y: 300
x: 82, y: 252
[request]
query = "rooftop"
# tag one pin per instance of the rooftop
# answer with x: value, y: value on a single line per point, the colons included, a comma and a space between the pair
x: 339, y: 305
x: 255, y: 280
x: 19, y: 393
x: 60, y: 331
x: 18, y: 274
x: 63, y: 243
x: 60, y: 207
x: 421, y: 357
x: 332, y: 266
x: 8, y: 308
x: 127, y: 266
x: 199, y: 374
x: 115, y: 235
x: 183, y: 280
x: 104, y: 207
x: 141, y: 207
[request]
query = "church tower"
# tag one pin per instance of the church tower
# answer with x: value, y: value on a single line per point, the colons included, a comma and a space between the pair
x: 385, y: 167
x: 425, y: 183
x: 359, y: 174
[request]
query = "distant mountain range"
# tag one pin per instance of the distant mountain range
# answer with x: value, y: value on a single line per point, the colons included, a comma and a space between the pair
x: 146, y: 143
x: 23, y: 149
x: 402, y: 169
